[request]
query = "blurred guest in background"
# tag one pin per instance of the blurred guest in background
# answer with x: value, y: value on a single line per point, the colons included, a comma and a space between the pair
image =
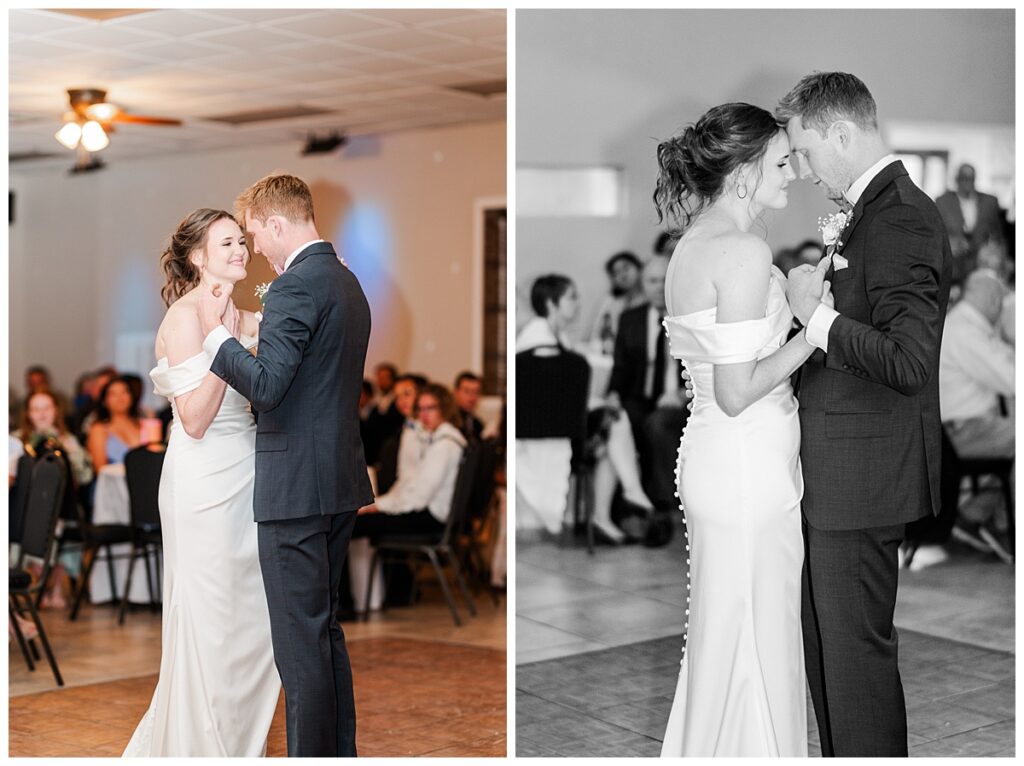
x: 420, y: 501
x: 384, y: 419
x: 976, y: 389
x: 37, y: 378
x: 117, y: 428
x: 467, y: 397
x: 42, y: 428
x: 623, y: 270
x: 972, y: 218
x: 647, y: 383
x: 85, y: 403
x: 976, y: 370
x: 552, y: 385
x: 402, y: 450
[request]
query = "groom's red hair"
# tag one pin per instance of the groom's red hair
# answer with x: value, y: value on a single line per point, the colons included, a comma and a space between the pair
x: 277, y: 194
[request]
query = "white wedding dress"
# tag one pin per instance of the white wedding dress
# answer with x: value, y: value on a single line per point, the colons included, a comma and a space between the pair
x: 218, y: 685
x: 741, y: 688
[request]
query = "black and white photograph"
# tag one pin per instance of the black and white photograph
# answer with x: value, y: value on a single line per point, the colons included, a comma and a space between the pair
x: 257, y: 344
x: 764, y: 388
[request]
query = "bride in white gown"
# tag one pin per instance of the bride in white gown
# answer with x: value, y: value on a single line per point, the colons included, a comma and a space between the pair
x: 741, y: 687
x: 218, y: 685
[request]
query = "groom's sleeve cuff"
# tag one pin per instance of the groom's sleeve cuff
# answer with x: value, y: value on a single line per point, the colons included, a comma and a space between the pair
x: 213, y: 341
x: 819, y: 325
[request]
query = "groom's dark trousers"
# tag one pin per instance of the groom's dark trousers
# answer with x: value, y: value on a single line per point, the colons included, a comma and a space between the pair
x: 871, y: 453
x: 322, y: 718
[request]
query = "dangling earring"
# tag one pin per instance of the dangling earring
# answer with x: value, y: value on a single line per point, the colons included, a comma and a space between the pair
x: 744, y: 187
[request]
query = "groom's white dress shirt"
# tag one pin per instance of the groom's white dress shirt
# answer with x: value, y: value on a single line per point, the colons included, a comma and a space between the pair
x: 220, y: 333
x: 823, y: 317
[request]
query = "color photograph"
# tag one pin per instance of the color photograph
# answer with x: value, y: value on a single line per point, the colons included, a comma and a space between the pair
x: 257, y: 354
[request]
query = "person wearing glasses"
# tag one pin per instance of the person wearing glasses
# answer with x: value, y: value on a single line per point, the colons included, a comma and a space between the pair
x: 418, y: 502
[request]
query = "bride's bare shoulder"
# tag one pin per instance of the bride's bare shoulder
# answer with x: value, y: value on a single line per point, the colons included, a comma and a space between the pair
x: 736, y: 248
x: 180, y: 330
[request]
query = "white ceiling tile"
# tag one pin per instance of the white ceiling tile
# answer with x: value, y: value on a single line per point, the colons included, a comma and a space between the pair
x: 471, y: 28
x: 251, y: 38
x: 35, y: 49
x: 415, y: 16
x: 176, y: 24
x: 106, y: 36
x: 454, y: 54
x: 39, y: 22
x: 395, y: 41
x: 380, y: 64
x: 253, y: 15
x: 177, y: 50
x: 330, y: 24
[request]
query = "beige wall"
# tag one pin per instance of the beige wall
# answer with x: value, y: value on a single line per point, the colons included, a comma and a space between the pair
x: 603, y: 87
x: 84, y: 250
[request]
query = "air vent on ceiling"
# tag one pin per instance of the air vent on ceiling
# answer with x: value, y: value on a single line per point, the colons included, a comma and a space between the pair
x: 32, y: 155
x: 481, y: 88
x: 266, y: 115
x: 99, y: 14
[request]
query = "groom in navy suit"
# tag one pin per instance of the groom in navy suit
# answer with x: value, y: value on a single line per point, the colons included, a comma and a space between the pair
x: 869, y: 409
x: 311, y: 474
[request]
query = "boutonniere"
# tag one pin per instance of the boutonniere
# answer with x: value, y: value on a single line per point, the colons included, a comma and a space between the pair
x: 832, y: 227
x: 261, y: 292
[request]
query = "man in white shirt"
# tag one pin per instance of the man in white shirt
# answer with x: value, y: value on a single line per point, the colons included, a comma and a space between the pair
x: 976, y: 369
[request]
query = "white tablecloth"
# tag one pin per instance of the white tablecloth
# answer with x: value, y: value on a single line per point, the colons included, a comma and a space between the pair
x: 110, y: 506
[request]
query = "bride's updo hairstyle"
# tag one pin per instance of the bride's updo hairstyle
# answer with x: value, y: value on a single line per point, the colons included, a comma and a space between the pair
x: 694, y: 165
x: 179, y: 271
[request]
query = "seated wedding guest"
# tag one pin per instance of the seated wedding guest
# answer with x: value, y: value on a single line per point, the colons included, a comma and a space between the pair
x: 42, y: 427
x: 383, y: 419
x: 419, y: 502
x: 976, y: 376
x: 971, y: 219
x: 547, y: 440
x: 623, y: 270
x: 647, y: 383
x: 85, y: 408
x: 37, y: 378
x: 135, y: 383
x: 467, y: 397
x: 117, y: 427
x: 401, y: 451
x: 544, y: 464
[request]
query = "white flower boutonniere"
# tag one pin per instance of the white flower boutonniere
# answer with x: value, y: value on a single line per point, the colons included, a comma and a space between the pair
x: 832, y: 227
x: 261, y: 292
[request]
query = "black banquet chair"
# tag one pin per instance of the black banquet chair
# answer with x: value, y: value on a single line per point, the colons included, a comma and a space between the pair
x: 48, y: 482
x: 433, y: 548
x: 142, y: 467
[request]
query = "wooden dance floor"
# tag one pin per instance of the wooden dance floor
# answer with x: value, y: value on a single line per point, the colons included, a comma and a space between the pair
x: 413, y: 696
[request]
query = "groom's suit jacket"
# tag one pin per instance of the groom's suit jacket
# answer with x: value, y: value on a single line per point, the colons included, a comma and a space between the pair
x: 305, y: 382
x: 869, y: 408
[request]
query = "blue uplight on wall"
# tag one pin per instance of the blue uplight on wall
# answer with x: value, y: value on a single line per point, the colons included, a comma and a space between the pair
x: 366, y: 245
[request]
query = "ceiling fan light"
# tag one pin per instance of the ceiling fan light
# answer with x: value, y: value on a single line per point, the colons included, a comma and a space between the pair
x: 69, y: 135
x: 94, y: 137
x: 103, y: 112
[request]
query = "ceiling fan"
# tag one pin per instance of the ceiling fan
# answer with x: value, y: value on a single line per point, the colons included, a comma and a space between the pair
x: 90, y: 121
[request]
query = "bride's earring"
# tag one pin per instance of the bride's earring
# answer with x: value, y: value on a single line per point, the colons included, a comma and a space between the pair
x: 744, y: 188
